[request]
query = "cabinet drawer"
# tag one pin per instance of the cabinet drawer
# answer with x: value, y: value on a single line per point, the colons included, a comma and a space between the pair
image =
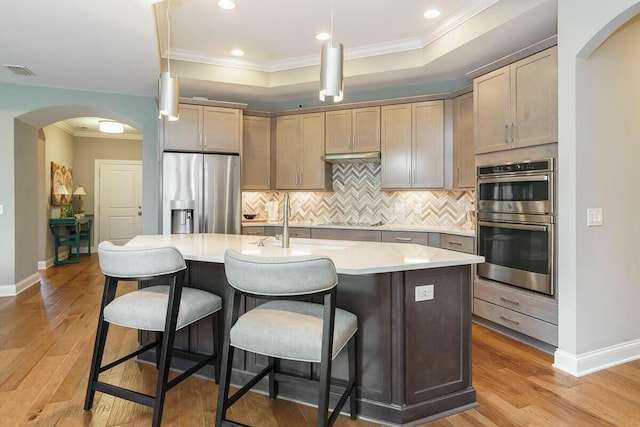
x: 346, y: 234
x: 530, y: 326
x: 301, y: 232
x: 253, y: 231
x: 405, y: 237
x: 533, y: 305
x: 454, y: 242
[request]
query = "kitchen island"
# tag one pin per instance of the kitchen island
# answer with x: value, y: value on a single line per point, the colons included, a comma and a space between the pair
x: 413, y: 357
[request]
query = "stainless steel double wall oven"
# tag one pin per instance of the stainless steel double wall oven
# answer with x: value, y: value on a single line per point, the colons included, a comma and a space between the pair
x: 516, y: 221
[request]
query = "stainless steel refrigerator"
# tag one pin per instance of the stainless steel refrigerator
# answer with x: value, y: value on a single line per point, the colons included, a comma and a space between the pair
x: 200, y: 193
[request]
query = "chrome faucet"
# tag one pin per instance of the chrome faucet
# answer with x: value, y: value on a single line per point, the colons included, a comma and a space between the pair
x: 285, y: 221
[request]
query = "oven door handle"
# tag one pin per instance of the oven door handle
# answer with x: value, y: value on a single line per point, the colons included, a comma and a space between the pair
x: 526, y: 227
x: 528, y: 178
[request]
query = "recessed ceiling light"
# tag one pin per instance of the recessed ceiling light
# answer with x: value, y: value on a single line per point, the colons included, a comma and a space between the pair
x: 322, y: 36
x: 227, y: 4
x: 432, y: 13
x: 237, y: 52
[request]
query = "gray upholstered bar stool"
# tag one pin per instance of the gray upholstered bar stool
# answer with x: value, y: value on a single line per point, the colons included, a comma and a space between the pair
x: 285, y: 327
x: 163, y: 308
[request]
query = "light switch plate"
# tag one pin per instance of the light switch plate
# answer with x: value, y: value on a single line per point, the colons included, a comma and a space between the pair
x: 594, y: 217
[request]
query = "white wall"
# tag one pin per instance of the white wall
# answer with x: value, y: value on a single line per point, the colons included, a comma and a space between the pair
x: 594, y: 330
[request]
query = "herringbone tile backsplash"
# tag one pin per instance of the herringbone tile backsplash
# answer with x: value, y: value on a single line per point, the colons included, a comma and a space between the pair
x: 357, y: 197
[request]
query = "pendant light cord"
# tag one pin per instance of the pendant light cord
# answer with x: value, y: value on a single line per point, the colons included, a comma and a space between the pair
x: 330, y: 24
x: 168, y: 39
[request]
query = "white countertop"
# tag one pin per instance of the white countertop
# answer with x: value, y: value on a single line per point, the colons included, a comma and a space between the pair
x: 460, y: 231
x: 349, y: 257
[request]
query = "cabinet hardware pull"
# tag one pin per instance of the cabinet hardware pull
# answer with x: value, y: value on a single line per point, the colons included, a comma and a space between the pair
x: 409, y: 177
x: 414, y: 175
x: 353, y: 143
x: 403, y: 239
x: 510, y: 300
x: 454, y: 243
x: 515, y: 322
x: 513, y: 125
x: 253, y: 233
x: 458, y: 175
x: 506, y: 133
x: 300, y: 178
x: 205, y: 140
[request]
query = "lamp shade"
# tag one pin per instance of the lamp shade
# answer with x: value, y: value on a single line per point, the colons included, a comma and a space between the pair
x: 168, y: 94
x: 331, y: 72
x: 62, y: 191
x: 80, y: 191
x: 109, y: 126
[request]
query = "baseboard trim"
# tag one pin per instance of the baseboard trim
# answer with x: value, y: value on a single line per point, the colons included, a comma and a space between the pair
x: 597, y: 360
x: 26, y: 283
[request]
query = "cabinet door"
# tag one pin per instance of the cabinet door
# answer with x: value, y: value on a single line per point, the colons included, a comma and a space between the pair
x: 287, y: 152
x: 185, y: 133
x: 222, y: 130
x: 464, y: 174
x: 396, y: 145
x: 534, y: 92
x: 366, y: 129
x: 428, y: 145
x: 491, y: 96
x: 338, y: 132
x: 256, y: 153
x: 314, y: 173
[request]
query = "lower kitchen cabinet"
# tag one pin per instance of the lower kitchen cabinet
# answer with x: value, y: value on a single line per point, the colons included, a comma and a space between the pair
x: 253, y: 231
x: 419, y: 238
x: 525, y: 312
x: 452, y: 242
x: 300, y: 232
x: 346, y: 234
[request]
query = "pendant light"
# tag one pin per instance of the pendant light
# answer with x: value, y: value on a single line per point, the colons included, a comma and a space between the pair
x: 331, y: 68
x: 168, y: 86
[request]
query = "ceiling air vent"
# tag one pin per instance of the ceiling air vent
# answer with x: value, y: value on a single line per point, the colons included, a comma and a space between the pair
x: 21, y: 70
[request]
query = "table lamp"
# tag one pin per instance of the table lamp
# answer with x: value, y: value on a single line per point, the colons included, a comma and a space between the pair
x: 62, y: 192
x: 80, y: 192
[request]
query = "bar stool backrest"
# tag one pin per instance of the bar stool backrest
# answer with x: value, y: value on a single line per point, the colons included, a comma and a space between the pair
x: 279, y: 276
x: 139, y: 261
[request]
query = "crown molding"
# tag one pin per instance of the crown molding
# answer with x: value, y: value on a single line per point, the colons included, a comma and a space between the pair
x: 65, y: 127
x: 103, y: 135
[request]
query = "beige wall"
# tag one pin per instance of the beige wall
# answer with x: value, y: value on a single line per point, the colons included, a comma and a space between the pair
x: 608, y: 132
x: 598, y: 136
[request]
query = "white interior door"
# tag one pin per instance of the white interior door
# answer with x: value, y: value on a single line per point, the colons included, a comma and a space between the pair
x: 119, y: 207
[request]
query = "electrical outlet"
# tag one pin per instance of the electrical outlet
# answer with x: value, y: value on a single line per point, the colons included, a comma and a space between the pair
x: 418, y: 208
x: 1, y: 210
x: 424, y: 293
x: 398, y: 208
x: 594, y: 217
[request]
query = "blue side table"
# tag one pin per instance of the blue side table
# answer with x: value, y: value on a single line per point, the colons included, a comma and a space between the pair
x: 69, y: 232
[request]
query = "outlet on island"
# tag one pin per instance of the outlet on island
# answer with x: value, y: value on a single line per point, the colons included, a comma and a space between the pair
x: 424, y: 293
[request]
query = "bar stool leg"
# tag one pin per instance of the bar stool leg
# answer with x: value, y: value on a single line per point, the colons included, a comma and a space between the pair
x: 351, y: 354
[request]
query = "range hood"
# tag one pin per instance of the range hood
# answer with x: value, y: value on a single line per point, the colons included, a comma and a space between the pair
x: 368, y: 157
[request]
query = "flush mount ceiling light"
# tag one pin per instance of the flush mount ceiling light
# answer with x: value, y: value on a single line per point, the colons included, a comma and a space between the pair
x: 431, y: 13
x: 168, y: 86
x: 109, y: 126
x: 322, y: 36
x: 237, y: 52
x: 331, y: 68
x: 227, y: 4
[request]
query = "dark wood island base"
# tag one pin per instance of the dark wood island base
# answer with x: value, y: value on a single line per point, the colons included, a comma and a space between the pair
x: 413, y: 358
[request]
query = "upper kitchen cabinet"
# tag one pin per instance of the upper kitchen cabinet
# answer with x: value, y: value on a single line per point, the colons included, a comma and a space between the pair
x: 256, y: 153
x: 353, y: 131
x: 464, y: 174
x: 517, y: 105
x: 413, y: 145
x: 299, y: 151
x: 205, y: 129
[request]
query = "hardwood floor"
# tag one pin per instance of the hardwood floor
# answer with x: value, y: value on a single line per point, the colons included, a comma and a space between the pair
x: 46, y: 340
